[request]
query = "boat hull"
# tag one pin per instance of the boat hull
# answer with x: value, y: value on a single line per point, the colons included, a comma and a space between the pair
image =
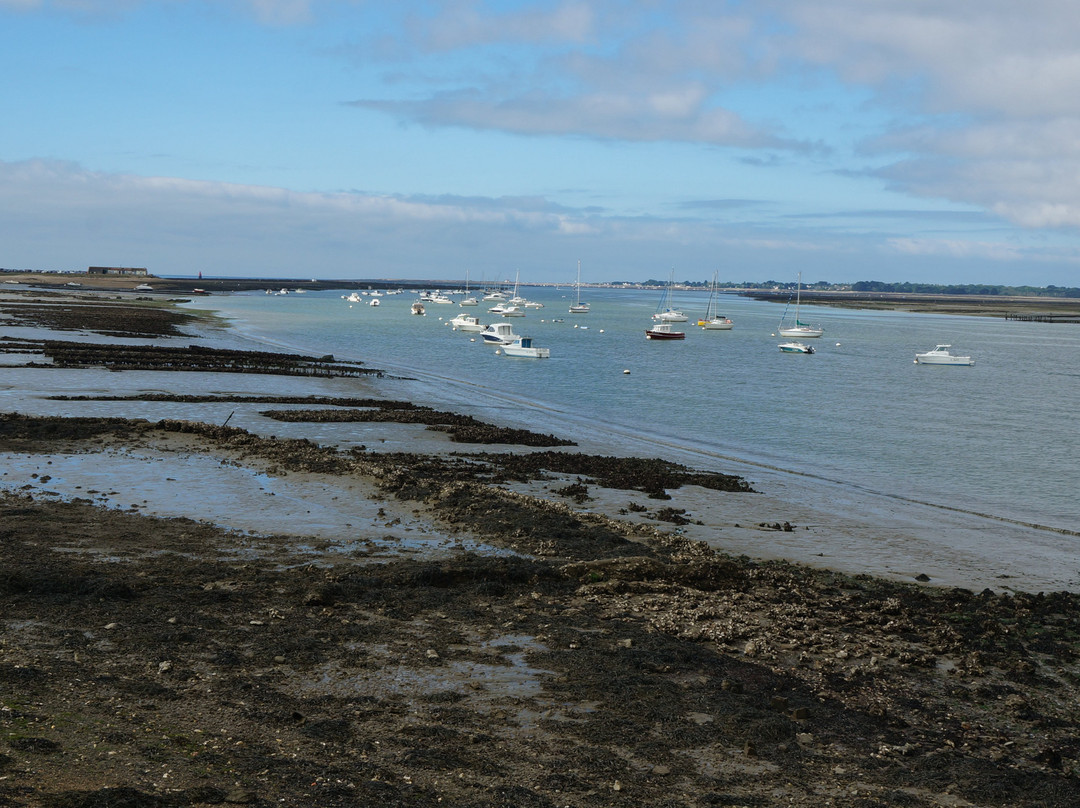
x: 801, y: 332
x: 716, y: 325
x: 670, y: 317
x: 795, y: 347
x: 664, y: 335
x: 963, y: 361
x: 523, y: 347
x: 529, y: 353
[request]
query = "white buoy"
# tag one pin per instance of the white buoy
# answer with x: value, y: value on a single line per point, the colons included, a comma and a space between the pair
x: 498, y: 351
x: 838, y: 345
x: 626, y: 372
x: 601, y: 331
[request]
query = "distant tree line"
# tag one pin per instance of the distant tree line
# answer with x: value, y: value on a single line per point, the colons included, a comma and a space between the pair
x: 966, y: 289
x: 882, y: 286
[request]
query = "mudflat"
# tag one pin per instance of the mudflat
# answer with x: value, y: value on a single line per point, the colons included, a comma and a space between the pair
x: 470, y: 629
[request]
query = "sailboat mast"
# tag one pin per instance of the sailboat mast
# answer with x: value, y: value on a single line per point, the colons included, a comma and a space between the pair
x: 798, y: 297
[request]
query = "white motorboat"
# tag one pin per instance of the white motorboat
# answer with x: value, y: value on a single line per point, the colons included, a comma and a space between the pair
x: 374, y: 301
x: 499, y: 334
x: 417, y: 307
x: 466, y: 322
x: 795, y: 347
x: 800, y: 329
x: 353, y: 298
x: 523, y: 346
x: 941, y: 356
x: 439, y: 297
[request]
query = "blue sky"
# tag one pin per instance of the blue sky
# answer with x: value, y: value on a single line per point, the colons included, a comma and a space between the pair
x: 897, y: 140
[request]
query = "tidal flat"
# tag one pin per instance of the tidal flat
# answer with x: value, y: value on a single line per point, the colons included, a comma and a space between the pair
x: 204, y: 605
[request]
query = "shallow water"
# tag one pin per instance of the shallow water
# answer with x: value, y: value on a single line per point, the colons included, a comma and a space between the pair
x: 888, y: 467
x: 992, y: 439
x: 954, y: 471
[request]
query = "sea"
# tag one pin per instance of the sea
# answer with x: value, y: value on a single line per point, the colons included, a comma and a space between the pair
x: 996, y: 441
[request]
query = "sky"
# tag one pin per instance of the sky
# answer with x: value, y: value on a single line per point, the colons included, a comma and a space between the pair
x: 846, y: 140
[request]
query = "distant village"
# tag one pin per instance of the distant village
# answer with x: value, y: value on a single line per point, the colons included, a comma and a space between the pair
x: 858, y: 287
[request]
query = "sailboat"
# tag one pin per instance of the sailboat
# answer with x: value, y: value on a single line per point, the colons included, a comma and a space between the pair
x: 800, y: 329
x: 514, y: 307
x: 468, y: 300
x: 578, y: 307
x: 664, y: 312
x: 713, y: 321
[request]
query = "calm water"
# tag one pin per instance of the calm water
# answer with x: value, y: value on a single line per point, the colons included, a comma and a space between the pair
x: 997, y: 438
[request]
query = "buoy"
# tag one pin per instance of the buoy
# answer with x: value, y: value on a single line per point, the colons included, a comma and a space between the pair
x: 498, y: 351
x: 472, y: 339
x: 626, y: 372
x: 838, y: 345
x: 601, y: 331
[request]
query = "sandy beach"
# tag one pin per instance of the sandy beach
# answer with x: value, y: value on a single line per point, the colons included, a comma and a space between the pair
x: 235, y: 576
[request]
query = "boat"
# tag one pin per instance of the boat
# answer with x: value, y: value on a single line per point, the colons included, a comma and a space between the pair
x: 374, y: 301
x: 516, y: 305
x: 440, y: 298
x: 795, y: 347
x: 353, y: 298
x: 533, y: 304
x: 800, y: 329
x: 577, y: 307
x: 466, y: 322
x: 523, y: 346
x: 468, y: 300
x: 417, y: 307
x: 941, y: 356
x: 712, y: 321
x: 664, y: 312
x: 144, y: 287
x: 664, y: 331
x: 499, y: 334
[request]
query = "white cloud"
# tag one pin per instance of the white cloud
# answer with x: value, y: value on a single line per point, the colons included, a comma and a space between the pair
x: 282, y: 12
x: 955, y: 248
x: 467, y: 24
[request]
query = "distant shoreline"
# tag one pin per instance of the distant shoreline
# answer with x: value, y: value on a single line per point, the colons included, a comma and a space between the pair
x: 978, y: 305
x: 1056, y: 309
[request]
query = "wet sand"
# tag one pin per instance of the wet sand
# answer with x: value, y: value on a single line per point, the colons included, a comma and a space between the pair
x: 206, y: 605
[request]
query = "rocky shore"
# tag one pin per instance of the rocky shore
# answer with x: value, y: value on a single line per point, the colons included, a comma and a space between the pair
x: 544, y: 653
